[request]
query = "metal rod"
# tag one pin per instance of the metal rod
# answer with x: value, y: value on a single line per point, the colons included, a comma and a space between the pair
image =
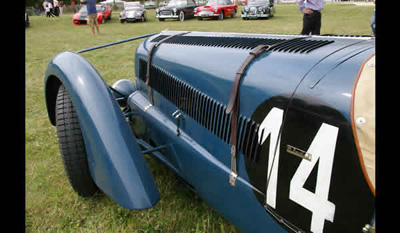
x: 154, y: 149
x: 115, y: 43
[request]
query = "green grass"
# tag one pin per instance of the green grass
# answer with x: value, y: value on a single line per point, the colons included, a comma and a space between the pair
x: 51, y: 204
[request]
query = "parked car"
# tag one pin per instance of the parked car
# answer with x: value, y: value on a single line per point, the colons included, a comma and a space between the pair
x: 217, y: 9
x: 133, y: 12
x: 276, y: 132
x: 150, y: 4
x: 176, y: 9
x: 103, y: 14
x: 258, y: 9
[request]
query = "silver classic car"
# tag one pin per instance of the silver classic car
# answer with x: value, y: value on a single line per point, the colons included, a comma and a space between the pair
x: 133, y: 12
x: 258, y: 9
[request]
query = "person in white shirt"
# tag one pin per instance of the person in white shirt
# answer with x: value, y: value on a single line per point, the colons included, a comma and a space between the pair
x: 46, y: 9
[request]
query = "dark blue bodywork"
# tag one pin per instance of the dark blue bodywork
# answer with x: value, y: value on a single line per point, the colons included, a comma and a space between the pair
x: 116, y: 164
x: 310, y: 83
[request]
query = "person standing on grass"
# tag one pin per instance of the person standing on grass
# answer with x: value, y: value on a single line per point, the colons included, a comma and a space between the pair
x: 46, y: 9
x: 61, y: 7
x: 92, y: 15
x: 56, y: 8
x: 372, y: 22
x: 51, y: 13
x: 311, y: 16
x: 73, y: 6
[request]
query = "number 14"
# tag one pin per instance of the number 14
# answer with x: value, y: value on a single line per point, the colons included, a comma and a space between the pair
x: 322, y: 148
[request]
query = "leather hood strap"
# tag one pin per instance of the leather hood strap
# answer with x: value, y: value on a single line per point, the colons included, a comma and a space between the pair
x: 233, y: 104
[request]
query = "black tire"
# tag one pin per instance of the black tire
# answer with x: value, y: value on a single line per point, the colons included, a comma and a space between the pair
x: 72, y: 148
x: 221, y: 15
x: 181, y: 16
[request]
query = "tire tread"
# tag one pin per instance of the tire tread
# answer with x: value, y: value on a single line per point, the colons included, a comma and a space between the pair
x: 72, y: 147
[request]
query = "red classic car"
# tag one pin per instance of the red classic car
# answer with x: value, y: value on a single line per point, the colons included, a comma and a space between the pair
x: 103, y: 14
x: 216, y: 9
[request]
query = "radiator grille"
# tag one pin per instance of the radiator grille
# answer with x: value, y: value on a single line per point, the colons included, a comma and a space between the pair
x: 206, y: 111
x: 296, y: 46
x: 166, y: 12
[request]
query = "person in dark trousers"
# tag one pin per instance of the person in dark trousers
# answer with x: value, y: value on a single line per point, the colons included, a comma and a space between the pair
x: 311, y: 16
x: 373, y: 23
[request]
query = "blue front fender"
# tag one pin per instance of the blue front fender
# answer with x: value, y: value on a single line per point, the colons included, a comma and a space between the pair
x: 115, y: 161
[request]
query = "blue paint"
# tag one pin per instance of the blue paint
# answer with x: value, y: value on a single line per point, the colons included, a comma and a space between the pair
x: 197, y: 155
x: 206, y: 173
x: 116, y: 164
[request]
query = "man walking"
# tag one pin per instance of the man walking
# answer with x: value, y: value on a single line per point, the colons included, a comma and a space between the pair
x: 92, y: 15
x: 311, y: 15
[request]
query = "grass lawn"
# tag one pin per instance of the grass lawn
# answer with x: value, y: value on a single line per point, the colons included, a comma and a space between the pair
x: 51, y: 204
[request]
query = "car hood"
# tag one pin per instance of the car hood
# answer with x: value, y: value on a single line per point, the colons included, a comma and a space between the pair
x: 210, y: 7
x: 84, y: 15
x: 164, y: 8
x: 76, y: 15
x: 130, y: 11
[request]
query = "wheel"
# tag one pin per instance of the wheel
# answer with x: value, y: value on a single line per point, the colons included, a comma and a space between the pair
x: 199, y: 18
x: 221, y: 15
x: 72, y: 147
x: 122, y: 21
x: 181, y: 16
x: 160, y: 19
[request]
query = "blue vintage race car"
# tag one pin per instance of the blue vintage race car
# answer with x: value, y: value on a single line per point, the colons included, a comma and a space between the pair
x: 276, y: 132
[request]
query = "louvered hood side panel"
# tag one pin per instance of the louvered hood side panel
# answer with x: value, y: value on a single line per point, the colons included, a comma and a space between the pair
x: 208, y: 62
